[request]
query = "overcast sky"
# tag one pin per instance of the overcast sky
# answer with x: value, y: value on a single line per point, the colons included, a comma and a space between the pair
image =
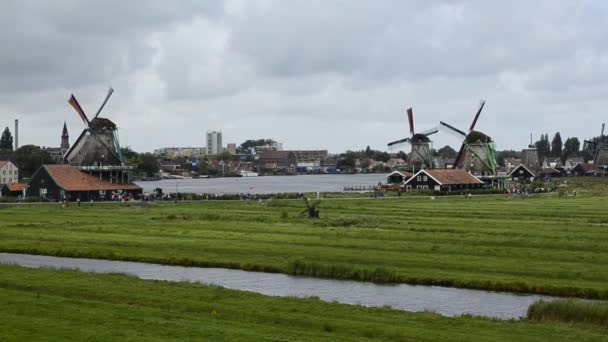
x: 311, y: 74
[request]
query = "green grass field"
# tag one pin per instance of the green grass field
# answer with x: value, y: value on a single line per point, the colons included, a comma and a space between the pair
x: 550, y: 244
x: 51, y: 305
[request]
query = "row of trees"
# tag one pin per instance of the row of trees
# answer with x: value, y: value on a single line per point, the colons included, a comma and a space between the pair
x: 557, y: 148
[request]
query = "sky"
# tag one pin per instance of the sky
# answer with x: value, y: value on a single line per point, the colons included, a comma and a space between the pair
x: 312, y: 74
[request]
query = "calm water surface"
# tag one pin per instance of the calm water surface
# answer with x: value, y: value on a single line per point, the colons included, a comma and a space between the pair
x: 442, y: 300
x: 264, y: 185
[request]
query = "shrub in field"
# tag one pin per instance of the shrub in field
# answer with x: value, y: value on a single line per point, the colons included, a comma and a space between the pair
x: 312, y: 269
x: 354, y: 221
x: 572, y: 311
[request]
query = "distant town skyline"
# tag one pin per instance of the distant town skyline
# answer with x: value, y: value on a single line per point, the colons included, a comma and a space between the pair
x: 310, y: 74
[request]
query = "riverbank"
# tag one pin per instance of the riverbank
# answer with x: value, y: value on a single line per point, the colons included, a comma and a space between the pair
x: 60, y: 305
x: 545, y: 245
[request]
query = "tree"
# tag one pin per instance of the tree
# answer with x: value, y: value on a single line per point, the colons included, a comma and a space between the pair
x: 147, y: 163
x: 368, y: 151
x: 501, y: 156
x: 224, y: 156
x: 556, y: 146
x: 247, y: 146
x: 128, y: 153
x: 572, y: 147
x: 402, y: 155
x: 543, y: 147
x: 6, y: 141
x: 447, y: 152
x: 29, y: 158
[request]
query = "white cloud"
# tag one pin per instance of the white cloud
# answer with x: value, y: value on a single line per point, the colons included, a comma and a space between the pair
x: 336, y: 74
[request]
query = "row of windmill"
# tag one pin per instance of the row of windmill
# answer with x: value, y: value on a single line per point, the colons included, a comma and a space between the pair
x: 477, y: 153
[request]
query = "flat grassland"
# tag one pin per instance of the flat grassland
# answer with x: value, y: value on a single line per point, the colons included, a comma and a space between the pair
x: 52, y: 305
x: 549, y: 244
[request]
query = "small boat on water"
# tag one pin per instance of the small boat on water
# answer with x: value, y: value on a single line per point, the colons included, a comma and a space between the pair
x: 244, y: 173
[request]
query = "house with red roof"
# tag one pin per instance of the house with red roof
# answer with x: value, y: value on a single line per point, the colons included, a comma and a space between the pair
x: 447, y: 180
x: 584, y: 169
x: 58, y: 182
x: 12, y: 189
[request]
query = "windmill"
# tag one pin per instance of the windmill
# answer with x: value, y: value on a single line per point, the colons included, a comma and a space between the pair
x: 98, y: 144
x: 599, y: 146
x: 311, y: 209
x: 421, y: 154
x: 477, y: 153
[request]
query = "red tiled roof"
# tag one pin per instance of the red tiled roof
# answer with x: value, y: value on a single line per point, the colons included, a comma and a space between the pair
x: 72, y: 179
x: 16, y: 186
x: 3, y: 162
x: 589, y: 167
x: 449, y: 176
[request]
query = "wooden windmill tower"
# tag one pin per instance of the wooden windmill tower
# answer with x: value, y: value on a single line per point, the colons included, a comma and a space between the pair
x: 477, y: 152
x: 599, y: 146
x: 97, y: 149
x: 421, y: 154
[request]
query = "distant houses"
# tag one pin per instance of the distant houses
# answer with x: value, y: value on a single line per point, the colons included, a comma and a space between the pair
x: 277, y: 162
x: 584, y: 169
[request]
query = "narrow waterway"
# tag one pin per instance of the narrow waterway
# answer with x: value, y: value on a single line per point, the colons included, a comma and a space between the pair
x: 442, y: 300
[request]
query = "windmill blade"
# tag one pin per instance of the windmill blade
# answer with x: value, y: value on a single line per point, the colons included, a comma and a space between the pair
x: 315, y: 203
x: 430, y: 131
x: 399, y: 142
x: 459, y: 156
x: 483, y: 103
x: 307, y: 204
x: 410, y: 118
x: 452, y: 128
x: 303, y: 212
x: 110, y: 92
x: 74, y: 103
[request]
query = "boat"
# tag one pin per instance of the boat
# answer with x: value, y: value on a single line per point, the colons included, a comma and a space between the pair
x: 244, y: 173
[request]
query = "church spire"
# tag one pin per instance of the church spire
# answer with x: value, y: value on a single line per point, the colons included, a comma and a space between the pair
x: 65, y: 137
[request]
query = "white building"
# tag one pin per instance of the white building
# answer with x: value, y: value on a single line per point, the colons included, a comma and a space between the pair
x: 8, y: 172
x: 180, y: 152
x: 214, y: 142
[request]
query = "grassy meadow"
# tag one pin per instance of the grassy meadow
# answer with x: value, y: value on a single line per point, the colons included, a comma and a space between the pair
x: 547, y: 244
x: 53, y: 305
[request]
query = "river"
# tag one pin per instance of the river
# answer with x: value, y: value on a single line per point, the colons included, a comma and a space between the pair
x: 264, y: 185
x: 442, y: 300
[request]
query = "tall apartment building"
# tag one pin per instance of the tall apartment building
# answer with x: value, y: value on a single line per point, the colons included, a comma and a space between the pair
x: 214, y: 142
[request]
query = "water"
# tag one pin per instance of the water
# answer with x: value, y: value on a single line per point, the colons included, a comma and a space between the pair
x: 264, y: 185
x: 442, y: 300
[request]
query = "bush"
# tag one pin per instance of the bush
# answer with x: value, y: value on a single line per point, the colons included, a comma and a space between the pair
x: 571, y: 311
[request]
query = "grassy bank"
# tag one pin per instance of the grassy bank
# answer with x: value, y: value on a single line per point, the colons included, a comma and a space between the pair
x: 572, y: 311
x: 548, y: 244
x: 51, y: 305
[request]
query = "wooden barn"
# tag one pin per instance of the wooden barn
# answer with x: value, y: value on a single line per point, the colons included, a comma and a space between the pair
x: 58, y: 182
x: 398, y: 177
x: 443, y: 180
x: 587, y: 170
x: 522, y: 174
